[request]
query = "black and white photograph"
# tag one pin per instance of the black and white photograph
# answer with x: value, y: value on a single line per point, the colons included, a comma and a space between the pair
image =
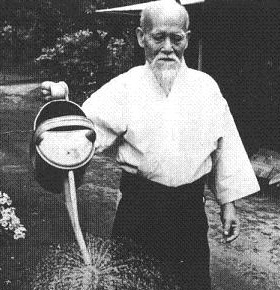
x: 140, y: 145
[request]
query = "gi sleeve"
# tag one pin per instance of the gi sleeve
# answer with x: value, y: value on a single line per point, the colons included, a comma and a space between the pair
x: 233, y: 175
x: 105, y: 108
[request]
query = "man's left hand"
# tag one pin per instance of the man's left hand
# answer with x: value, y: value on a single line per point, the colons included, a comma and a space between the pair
x: 231, y: 224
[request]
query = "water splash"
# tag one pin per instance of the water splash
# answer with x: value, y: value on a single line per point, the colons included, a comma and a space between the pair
x: 114, y: 266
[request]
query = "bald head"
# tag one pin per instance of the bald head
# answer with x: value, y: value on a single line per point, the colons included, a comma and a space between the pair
x: 164, y: 10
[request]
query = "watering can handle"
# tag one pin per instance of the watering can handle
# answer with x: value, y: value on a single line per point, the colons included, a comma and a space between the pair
x: 63, y: 121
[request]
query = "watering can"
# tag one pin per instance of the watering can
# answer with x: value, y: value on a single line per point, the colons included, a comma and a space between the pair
x: 63, y: 140
x: 62, y: 146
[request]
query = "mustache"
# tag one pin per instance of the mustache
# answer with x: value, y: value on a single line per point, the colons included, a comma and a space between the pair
x: 164, y: 62
x: 167, y: 58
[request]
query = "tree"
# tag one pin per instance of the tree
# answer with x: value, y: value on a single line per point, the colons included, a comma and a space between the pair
x: 90, y: 51
x: 69, y: 40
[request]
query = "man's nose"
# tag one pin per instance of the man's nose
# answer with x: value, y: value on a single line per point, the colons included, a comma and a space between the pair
x: 167, y: 46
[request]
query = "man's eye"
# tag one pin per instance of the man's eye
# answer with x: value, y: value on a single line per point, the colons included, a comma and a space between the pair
x: 158, y: 37
x: 177, y: 37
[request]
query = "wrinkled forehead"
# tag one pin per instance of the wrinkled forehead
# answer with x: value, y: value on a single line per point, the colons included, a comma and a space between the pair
x: 165, y: 18
x: 161, y: 24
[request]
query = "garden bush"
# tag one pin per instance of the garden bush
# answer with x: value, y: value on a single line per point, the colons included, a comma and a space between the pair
x: 85, y: 60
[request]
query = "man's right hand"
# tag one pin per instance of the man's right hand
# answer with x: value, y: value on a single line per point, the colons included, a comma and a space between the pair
x: 54, y: 91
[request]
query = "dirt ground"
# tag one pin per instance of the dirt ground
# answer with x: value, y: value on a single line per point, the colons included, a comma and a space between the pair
x: 250, y: 262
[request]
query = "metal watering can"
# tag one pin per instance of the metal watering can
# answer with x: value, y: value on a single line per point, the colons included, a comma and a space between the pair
x: 61, y: 147
x: 62, y: 140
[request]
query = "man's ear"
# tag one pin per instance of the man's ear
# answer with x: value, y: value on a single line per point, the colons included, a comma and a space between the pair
x: 140, y: 36
x: 187, y: 44
x: 187, y: 39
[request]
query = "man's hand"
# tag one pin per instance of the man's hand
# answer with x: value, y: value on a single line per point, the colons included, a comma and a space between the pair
x: 54, y: 91
x: 230, y: 221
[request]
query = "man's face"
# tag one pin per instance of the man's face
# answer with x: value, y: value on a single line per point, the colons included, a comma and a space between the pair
x: 164, y: 40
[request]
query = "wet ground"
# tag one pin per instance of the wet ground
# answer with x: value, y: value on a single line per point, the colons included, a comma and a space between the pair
x: 251, y: 262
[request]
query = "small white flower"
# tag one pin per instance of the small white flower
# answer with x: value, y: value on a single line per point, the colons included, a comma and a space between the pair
x: 19, y: 236
x: 20, y: 230
x: 3, y: 200
x: 8, y: 219
x: 4, y: 224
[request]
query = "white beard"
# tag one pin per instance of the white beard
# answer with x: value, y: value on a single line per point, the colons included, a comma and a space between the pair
x: 165, y: 73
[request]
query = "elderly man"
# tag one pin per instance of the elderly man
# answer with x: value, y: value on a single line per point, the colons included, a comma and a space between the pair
x: 175, y: 129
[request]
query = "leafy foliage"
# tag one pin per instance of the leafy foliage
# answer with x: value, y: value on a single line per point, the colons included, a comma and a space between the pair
x: 71, y: 60
x: 85, y: 60
x: 68, y: 40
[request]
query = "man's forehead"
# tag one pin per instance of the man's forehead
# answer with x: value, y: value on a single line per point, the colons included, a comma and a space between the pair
x: 166, y: 20
x: 166, y: 29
